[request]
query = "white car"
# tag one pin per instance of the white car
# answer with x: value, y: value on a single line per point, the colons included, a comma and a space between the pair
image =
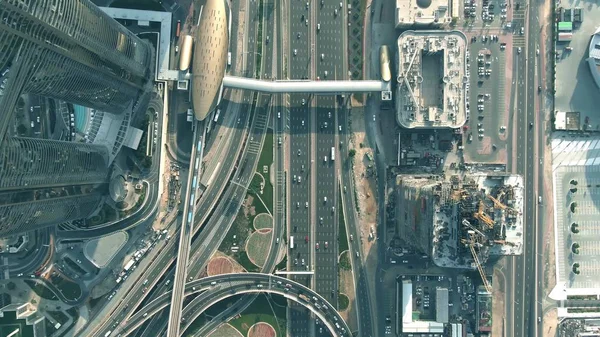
x: 279, y: 114
x: 303, y: 122
x: 519, y: 50
x: 295, y: 52
x: 373, y: 118
x: 303, y: 101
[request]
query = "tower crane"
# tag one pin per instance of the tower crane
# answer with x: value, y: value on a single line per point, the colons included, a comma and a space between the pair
x: 471, y: 243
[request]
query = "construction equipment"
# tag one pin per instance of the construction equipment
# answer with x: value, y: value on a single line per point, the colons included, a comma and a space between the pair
x: 460, y: 194
x: 481, y: 216
x: 499, y: 204
x: 471, y: 243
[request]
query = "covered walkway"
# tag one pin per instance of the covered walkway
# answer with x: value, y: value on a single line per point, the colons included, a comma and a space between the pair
x: 303, y: 86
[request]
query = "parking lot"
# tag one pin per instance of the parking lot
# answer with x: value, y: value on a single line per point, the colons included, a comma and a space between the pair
x: 491, y: 31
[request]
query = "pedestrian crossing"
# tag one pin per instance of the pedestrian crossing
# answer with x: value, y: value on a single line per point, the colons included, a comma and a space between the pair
x: 259, y: 128
x: 517, y: 23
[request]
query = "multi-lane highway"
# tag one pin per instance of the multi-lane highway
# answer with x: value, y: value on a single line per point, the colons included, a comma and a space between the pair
x: 300, y: 165
x: 523, y: 311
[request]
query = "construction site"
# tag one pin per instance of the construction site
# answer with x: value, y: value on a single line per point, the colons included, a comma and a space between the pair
x: 462, y: 221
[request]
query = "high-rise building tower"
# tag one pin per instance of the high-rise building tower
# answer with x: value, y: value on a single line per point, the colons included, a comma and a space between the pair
x: 72, y: 51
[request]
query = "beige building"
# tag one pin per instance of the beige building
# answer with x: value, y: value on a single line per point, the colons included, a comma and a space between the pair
x: 432, y: 79
x: 423, y: 12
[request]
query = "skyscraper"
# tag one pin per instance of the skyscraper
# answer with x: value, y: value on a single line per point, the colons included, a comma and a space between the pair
x: 72, y: 51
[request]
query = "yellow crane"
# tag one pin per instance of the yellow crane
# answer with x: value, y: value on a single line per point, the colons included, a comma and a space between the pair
x: 499, y: 204
x: 481, y: 216
x: 471, y: 243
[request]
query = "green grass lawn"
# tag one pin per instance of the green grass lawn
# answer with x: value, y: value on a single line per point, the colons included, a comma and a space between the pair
x: 343, y: 302
x: 41, y: 290
x: 69, y: 289
x: 258, y: 247
x: 225, y: 330
x: 260, y: 311
x: 343, y: 237
x: 262, y: 221
x: 264, y: 168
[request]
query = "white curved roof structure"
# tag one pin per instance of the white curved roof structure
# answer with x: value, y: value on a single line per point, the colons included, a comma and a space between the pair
x: 594, y: 59
x: 303, y: 86
x: 210, y: 57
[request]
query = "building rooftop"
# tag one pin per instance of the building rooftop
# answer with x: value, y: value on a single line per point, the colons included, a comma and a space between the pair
x: 594, y: 56
x: 431, y: 79
x: 576, y: 172
x: 422, y: 12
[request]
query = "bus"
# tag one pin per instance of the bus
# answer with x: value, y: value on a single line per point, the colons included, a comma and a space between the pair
x: 291, y: 242
x: 332, y: 153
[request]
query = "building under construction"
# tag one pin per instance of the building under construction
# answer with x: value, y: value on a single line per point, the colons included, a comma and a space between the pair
x: 460, y: 222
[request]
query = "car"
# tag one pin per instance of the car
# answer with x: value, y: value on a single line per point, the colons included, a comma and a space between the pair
x: 325, y: 125
x: 318, y: 27
x: 329, y: 114
x: 325, y: 73
x: 268, y: 39
x: 335, y: 12
x: 306, y: 22
x: 539, y: 88
x: 302, y: 261
x: 481, y: 130
x: 298, y: 36
x: 339, y: 127
x: 530, y: 125
x: 405, y: 261
x: 522, y: 31
x: 303, y: 101
x: 322, y: 57
x: 299, y: 152
x: 296, y: 262
x: 303, y: 122
x: 279, y: 114
x: 373, y: 118
x: 298, y: 204
x: 317, y: 245
x: 306, y: 205
x: 321, y: 220
x: 302, y: 168
x: 295, y: 52
x: 332, y: 209
x: 519, y: 50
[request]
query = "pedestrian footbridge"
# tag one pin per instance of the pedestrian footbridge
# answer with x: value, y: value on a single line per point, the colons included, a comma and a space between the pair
x: 303, y: 86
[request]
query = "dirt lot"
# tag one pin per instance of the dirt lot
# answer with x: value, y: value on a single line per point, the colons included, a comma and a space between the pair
x: 498, y: 303
x: 219, y: 266
x: 347, y: 288
x: 365, y: 186
x: 261, y: 330
x: 237, y: 268
x: 550, y: 323
x: 366, y: 189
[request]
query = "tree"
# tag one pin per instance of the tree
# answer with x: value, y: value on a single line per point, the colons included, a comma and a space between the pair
x: 21, y: 129
x: 352, y: 153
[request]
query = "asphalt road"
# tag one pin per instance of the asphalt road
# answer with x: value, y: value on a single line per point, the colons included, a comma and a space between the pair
x: 328, y: 61
x: 236, y: 283
x: 525, y: 312
x: 299, y: 119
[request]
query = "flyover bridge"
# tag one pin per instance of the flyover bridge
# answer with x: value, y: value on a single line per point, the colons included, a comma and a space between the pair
x: 223, y: 286
x: 303, y: 86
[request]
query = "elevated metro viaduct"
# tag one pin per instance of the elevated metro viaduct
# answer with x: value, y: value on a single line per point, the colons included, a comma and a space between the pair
x: 223, y: 286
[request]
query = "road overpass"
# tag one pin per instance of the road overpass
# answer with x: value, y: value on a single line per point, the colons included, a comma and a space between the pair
x: 303, y: 86
x: 186, y: 231
x: 228, y: 285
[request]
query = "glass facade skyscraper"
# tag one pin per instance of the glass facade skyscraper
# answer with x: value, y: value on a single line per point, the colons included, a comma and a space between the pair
x: 72, y: 51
